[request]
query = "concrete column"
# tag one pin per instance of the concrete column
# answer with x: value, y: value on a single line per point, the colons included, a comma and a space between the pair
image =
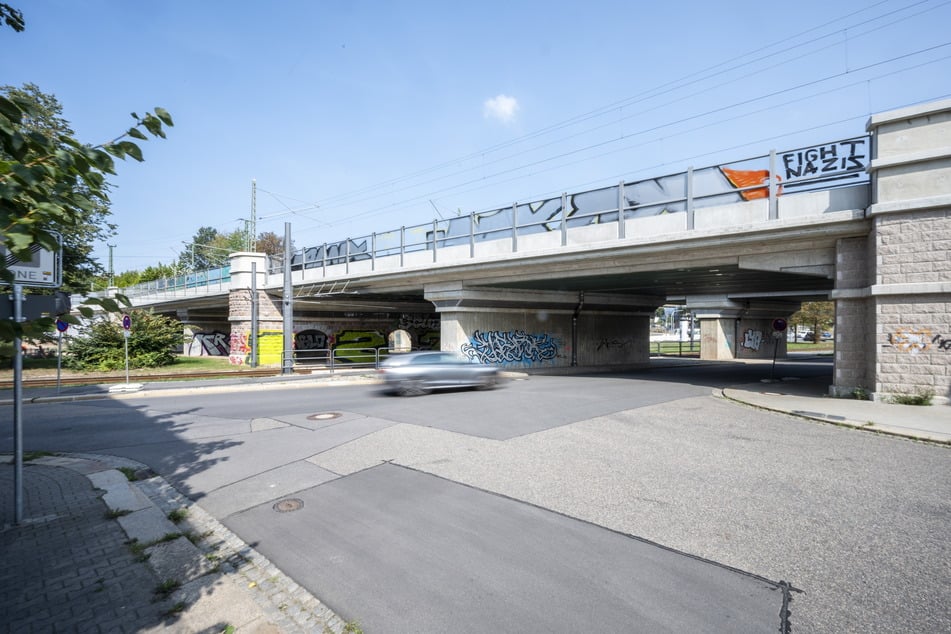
x: 910, y: 289
x: 731, y: 329
x: 543, y: 329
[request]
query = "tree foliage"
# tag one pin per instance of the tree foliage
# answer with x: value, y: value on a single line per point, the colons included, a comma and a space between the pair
x: 79, y: 267
x: 817, y: 316
x: 101, y: 347
x: 11, y: 17
x: 53, y: 181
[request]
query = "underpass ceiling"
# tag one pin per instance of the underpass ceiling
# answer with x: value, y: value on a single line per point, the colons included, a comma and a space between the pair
x: 673, y: 285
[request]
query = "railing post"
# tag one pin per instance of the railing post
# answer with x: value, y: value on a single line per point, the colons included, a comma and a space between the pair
x: 323, y: 261
x: 564, y: 218
x: 689, y: 192
x: 514, y: 227
x: 621, y: 224
x: 435, y: 228
x: 346, y: 256
x: 773, y: 200
x: 373, y: 252
x: 402, y: 244
x: 471, y: 234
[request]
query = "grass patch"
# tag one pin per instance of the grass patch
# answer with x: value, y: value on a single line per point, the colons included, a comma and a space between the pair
x: 112, y: 514
x: 166, y: 588
x: 33, y: 455
x: 178, y: 515
x: 922, y: 396
x: 129, y: 473
x: 352, y: 627
x: 176, y: 609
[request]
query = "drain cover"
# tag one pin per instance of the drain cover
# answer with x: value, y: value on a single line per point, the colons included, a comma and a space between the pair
x: 288, y: 505
x: 324, y: 416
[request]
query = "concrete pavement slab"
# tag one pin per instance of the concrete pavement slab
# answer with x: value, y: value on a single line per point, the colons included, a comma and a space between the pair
x: 471, y: 561
x: 264, y: 487
x: 119, y: 494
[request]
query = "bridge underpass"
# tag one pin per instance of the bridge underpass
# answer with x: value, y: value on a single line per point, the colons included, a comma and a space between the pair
x: 574, y: 280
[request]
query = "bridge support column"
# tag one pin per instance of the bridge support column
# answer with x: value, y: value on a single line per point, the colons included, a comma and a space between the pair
x: 544, y: 329
x: 731, y: 329
x: 898, y: 314
x: 270, y: 321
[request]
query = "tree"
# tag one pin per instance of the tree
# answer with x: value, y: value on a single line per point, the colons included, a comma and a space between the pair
x: 270, y: 243
x: 11, y: 17
x: 101, y: 347
x: 79, y: 268
x: 818, y: 316
x: 200, y: 253
x: 54, y: 182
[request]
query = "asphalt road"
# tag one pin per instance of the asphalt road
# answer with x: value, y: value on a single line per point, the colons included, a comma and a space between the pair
x: 613, y: 503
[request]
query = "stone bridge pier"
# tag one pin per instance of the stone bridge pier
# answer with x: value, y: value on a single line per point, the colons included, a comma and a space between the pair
x: 893, y: 289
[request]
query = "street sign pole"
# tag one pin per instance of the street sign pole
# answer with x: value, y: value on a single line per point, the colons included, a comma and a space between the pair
x: 59, y: 359
x: 17, y: 408
x: 126, y: 332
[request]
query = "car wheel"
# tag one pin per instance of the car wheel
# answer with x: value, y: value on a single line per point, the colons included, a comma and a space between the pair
x: 488, y: 382
x: 413, y: 388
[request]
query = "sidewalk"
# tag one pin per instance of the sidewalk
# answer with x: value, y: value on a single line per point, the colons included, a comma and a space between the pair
x: 99, y: 552
x: 808, y: 399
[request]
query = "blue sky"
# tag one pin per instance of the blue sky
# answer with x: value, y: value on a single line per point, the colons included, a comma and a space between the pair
x: 355, y: 117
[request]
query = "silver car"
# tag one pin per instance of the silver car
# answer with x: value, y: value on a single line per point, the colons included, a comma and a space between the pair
x: 415, y: 373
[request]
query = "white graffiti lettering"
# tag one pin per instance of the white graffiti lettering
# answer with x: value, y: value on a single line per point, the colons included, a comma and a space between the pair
x: 515, y: 346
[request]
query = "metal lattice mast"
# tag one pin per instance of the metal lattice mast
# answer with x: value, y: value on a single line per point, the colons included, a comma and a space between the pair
x: 252, y: 237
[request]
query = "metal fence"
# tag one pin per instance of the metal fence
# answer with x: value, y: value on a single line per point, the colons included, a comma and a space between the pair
x: 825, y: 166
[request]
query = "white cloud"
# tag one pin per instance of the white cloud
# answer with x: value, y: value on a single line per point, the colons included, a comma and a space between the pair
x: 501, y: 107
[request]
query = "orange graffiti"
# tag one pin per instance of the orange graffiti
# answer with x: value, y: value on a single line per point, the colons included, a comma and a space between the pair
x: 748, y: 178
x: 912, y: 341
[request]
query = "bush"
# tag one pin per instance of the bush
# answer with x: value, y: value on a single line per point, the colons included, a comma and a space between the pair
x: 101, y: 345
x: 920, y: 397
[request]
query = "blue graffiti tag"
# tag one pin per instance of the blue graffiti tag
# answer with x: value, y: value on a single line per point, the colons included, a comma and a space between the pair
x: 510, y: 347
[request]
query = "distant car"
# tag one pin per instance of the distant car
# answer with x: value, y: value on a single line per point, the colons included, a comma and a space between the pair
x: 809, y: 336
x: 415, y: 373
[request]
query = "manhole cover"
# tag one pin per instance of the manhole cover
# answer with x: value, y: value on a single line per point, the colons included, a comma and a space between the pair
x: 324, y: 416
x: 288, y: 505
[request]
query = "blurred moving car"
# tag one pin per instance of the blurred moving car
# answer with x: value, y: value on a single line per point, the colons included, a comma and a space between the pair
x: 415, y: 373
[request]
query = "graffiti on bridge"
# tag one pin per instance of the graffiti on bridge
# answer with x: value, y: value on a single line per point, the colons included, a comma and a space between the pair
x: 607, y: 344
x: 212, y: 344
x: 412, y: 322
x: 311, y: 340
x: 826, y: 160
x: 915, y: 341
x: 752, y: 339
x: 515, y: 346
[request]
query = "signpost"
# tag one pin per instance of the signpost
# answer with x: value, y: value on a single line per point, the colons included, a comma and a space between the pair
x: 779, y: 331
x: 61, y: 327
x: 44, y: 269
x: 126, y: 333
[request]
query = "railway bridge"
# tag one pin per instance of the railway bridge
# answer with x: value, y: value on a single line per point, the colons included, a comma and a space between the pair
x: 575, y: 280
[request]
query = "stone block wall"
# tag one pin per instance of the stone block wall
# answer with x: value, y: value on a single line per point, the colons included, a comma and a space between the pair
x: 910, y: 293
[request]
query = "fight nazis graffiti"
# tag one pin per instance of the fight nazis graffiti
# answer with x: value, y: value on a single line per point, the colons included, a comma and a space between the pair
x: 915, y: 341
x: 826, y: 160
x: 515, y: 346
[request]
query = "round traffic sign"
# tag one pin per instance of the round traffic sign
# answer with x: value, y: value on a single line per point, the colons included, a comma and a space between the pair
x: 779, y: 324
x: 126, y: 322
x: 61, y: 325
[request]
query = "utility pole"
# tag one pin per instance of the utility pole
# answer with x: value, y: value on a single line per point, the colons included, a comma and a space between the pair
x: 253, y: 237
x: 111, y: 270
